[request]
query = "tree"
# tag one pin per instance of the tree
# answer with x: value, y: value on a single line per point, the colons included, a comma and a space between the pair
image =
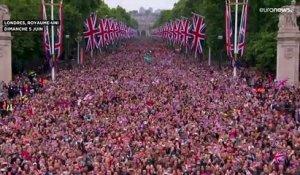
x: 26, y: 47
x: 166, y: 16
x: 261, y: 30
x: 120, y: 14
x: 27, y: 50
x: 263, y: 48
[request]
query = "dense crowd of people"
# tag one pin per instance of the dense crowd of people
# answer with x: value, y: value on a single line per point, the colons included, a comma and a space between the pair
x: 120, y: 115
x: 13, y: 94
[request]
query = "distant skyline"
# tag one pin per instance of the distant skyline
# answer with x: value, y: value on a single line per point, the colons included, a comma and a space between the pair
x: 130, y: 5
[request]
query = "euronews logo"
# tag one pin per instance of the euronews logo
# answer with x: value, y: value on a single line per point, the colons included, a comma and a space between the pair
x: 276, y: 10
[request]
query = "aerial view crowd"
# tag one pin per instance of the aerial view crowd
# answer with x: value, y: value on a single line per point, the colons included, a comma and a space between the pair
x: 121, y: 115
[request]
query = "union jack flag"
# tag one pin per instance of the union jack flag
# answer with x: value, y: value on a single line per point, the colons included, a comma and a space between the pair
x: 242, y: 32
x: 170, y: 31
x: 281, y: 83
x: 109, y: 31
x: 162, y: 31
x: 102, y: 33
x: 279, y: 158
x: 186, y: 35
x: 46, y: 37
x: 124, y: 30
x: 178, y: 25
x: 91, y: 32
x: 121, y: 30
x: 181, y: 28
x: 165, y: 31
x: 159, y: 32
x: 107, y: 34
x: 58, y: 35
x: 118, y: 29
x: 174, y: 31
x: 198, y: 33
x: 114, y: 30
x: 229, y: 31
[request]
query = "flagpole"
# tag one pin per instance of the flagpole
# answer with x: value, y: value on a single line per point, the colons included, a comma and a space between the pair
x: 78, y: 49
x: 235, y: 39
x: 186, y: 50
x: 209, y: 56
x: 197, y: 15
x: 52, y: 43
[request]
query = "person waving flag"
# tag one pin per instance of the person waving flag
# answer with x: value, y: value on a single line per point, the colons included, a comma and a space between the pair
x: 278, y: 158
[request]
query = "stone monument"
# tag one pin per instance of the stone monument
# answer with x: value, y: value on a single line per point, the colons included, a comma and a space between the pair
x: 288, y: 45
x: 5, y: 47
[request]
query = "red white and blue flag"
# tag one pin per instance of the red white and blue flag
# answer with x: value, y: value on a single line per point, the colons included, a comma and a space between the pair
x: 46, y: 36
x: 175, y: 31
x: 281, y: 83
x: 58, y: 46
x: 168, y: 30
x: 118, y: 30
x: 58, y: 36
x: 279, y: 158
x: 107, y: 31
x: 114, y: 30
x: 124, y: 30
x: 178, y: 31
x: 110, y: 31
x: 164, y: 31
x: 171, y: 31
x: 198, y: 33
x: 242, y: 31
x: 91, y: 32
x: 229, y: 31
x: 185, y: 32
x: 102, y: 33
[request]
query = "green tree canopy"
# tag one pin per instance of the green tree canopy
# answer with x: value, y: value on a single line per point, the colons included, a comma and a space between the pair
x: 261, y: 30
x: 27, y: 50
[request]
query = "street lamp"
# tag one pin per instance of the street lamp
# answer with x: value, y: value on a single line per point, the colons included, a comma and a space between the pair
x: 220, y: 37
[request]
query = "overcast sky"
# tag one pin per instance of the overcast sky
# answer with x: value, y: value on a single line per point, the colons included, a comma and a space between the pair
x: 136, y: 4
